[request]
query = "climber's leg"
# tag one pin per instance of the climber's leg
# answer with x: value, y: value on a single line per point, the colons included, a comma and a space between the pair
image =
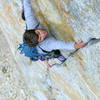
x: 23, y: 16
x: 59, y: 56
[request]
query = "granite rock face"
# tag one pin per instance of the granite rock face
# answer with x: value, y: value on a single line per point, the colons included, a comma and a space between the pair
x: 69, y: 20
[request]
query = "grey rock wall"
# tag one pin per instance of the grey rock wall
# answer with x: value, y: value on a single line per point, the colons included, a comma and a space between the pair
x: 69, y: 20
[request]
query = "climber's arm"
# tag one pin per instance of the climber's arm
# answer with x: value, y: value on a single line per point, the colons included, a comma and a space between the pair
x: 63, y: 45
x: 30, y: 18
x: 60, y: 44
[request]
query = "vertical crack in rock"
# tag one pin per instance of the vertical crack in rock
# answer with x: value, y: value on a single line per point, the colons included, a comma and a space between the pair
x: 48, y: 80
x: 51, y: 87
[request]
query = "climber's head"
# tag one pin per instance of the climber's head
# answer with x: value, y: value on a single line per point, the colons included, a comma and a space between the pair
x: 34, y: 36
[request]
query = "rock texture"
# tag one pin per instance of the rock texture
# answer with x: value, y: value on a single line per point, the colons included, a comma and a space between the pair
x: 70, y: 20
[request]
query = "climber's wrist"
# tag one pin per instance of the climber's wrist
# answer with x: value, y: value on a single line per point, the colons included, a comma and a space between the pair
x: 76, y: 46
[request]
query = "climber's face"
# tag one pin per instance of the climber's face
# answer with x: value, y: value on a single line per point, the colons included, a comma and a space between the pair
x: 42, y: 34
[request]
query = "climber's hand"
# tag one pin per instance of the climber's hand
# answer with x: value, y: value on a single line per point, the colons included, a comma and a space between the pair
x: 79, y: 44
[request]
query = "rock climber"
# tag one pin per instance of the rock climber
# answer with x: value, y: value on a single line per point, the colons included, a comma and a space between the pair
x: 37, y: 35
